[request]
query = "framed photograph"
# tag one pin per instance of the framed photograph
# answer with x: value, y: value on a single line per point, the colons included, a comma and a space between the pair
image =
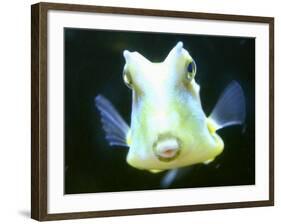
x: 138, y: 111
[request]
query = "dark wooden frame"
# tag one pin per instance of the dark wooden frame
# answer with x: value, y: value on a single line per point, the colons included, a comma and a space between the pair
x: 39, y: 121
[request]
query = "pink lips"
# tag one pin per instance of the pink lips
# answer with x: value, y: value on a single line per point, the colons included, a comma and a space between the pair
x: 167, y: 148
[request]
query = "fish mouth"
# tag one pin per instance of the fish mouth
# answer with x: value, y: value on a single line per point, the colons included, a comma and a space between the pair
x: 167, y: 147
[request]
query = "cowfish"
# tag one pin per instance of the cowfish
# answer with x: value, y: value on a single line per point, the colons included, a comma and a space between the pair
x: 169, y: 129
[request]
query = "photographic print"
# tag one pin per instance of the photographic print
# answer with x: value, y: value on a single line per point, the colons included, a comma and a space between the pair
x: 141, y: 111
x: 148, y: 111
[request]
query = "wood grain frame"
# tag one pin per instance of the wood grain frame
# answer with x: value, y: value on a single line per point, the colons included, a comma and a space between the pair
x: 39, y: 148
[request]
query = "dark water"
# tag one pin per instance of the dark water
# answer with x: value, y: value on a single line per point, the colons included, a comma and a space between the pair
x: 94, y: 64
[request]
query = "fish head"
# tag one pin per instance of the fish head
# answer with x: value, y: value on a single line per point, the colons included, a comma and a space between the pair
x: 168, y: 126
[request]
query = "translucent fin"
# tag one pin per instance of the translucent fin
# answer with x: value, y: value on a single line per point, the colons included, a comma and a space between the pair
x: 169, y: 178
x: 230, y: 108
x: 176, y: 174
x: 116, y: 129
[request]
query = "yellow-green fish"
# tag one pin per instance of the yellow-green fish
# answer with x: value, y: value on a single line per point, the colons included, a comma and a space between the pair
x: 169, y: 128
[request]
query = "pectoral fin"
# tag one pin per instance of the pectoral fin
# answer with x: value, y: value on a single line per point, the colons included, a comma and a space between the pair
x: 116, y: 129
x: 230, y: 108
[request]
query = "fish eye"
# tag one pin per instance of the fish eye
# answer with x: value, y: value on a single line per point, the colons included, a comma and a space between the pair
x: 127, y: 78
x: 190, y: 70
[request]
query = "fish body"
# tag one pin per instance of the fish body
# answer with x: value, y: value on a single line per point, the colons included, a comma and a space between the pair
x: 169, y: 128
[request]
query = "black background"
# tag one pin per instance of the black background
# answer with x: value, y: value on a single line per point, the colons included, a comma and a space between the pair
x: 93, y: 65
